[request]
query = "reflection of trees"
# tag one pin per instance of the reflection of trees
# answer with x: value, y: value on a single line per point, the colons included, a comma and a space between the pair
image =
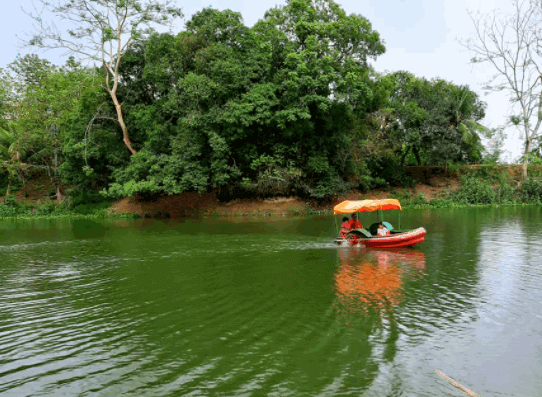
x: 454, y: 257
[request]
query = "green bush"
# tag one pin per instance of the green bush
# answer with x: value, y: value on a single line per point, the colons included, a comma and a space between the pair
x: 388, y: 172
x: 98, y: 209
x: 531, y: 190
x: 48, y: 207
x: 80, y: 196
x: 453, y: 168
x: 505, y: 194
x: 534, y: 171
x: 9, y: 211
x: 441, y: 203
x: 491, y: 172
x: 11, y: 200
x: 328, y: 187
x: 473, y: 190
x: 4, y: 182
x: 420, y: 199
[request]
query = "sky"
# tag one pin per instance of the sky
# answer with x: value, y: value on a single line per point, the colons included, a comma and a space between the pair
x: 421, y: 36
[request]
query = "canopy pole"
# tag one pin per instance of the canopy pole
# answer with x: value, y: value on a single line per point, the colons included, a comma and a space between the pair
x: 336, y: 224
x: 399, y: 219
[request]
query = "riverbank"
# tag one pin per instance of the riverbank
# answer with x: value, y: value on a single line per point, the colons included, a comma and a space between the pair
x: 186, y: 204
x: 436, y: 187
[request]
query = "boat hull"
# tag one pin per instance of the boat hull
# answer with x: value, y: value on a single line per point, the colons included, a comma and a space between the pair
x: 405, y: 239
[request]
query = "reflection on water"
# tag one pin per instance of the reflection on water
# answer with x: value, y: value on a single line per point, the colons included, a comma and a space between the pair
x: 372, y: 279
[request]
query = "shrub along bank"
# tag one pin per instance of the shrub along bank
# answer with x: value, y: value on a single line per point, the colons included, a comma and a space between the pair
x: 52, y: 209
x: 487, y: 185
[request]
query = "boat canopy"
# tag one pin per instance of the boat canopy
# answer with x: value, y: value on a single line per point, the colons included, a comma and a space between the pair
x: 349, y: 206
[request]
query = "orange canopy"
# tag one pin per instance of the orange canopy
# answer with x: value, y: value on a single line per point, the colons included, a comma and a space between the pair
x: 349, y: 206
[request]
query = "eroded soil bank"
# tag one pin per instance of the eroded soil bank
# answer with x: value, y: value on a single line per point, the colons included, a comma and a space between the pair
x: 185, y: 204
x: 433, y: 182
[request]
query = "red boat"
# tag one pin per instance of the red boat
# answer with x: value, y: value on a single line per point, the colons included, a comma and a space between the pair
x: 368, y: 237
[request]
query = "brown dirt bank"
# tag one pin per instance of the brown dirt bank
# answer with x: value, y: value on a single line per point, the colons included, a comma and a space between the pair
x: 187, y: 204
x: 433, y: 182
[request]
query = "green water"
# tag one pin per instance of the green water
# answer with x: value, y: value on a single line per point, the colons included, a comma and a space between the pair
x: 271, y: 307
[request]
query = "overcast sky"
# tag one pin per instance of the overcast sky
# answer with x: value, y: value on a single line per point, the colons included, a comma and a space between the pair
x: 420, y: 36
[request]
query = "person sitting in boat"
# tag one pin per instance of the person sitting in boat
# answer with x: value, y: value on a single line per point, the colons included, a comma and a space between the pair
x: 354, y: 223
x: 382, y: 230
x: 345, y: 227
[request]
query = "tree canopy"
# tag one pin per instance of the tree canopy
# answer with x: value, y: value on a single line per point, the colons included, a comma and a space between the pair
x: 102, y: 31
x: 438, y: 122
x: 289, y: 106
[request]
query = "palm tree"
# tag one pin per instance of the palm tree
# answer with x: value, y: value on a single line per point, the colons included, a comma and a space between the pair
x: 467, y: 111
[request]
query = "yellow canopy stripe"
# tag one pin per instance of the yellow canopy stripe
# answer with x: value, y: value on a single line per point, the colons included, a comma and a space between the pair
x: 349, y: 206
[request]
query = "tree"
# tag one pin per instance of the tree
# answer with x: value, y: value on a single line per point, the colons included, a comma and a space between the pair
x: 16, y: 83
x: 222, y: 105
x: 103, y: 31
x: 179, y: 88
x: 494, y: 146
x: 5, y: 87
x: 11, y: 154
x: 48, y: 103
x: 437, y: 121
x: 320, y: 73
x: 511, y: 44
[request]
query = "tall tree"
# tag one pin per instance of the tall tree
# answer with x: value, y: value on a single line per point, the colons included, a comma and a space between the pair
x: 510, y: 43
x: 11, y: 155
x: 319, y: 67
x: 437, y: 121
x: 222, y: 101
x: 102, y: 32
x: 48, y: 104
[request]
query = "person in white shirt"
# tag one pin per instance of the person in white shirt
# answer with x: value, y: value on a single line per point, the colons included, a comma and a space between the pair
x: 382, y: 231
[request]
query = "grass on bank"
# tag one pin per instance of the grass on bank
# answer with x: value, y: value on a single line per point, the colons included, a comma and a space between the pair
x: 70, y: 207
x: 52, y: 209
x: 482, y: 187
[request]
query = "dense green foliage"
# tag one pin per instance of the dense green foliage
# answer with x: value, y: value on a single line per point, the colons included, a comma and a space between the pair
x: 438, y: 122
x: 289, y: 106
x: 267, y: 109
x: 494, y: 185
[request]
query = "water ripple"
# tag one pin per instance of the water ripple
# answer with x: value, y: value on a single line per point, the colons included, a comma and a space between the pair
x: 166, y: 313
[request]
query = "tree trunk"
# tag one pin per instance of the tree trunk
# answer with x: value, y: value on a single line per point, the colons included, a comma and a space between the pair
x: 126, y: 139
x: 526, y: 157
x: 58, y: 194
x: 404, y: 156
x: 113, y: 93
x: 417, y: 155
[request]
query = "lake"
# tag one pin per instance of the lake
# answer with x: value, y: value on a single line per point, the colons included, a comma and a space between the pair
x: 271, y: 307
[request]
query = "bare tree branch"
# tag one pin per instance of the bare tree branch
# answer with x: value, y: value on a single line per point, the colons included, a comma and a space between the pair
x: 96, y: 23
x: 510, y: 43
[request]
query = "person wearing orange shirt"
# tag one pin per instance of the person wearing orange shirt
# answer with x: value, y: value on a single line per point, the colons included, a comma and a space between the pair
x: 345, y: 227
x: 354, y: 223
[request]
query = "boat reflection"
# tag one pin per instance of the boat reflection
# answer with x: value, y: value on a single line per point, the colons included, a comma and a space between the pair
x: 372, y: 280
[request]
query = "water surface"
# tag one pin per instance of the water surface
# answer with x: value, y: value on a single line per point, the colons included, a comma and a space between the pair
x: 217, y: 307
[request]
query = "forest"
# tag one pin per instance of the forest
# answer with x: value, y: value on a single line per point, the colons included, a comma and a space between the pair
x: 290, y: 106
